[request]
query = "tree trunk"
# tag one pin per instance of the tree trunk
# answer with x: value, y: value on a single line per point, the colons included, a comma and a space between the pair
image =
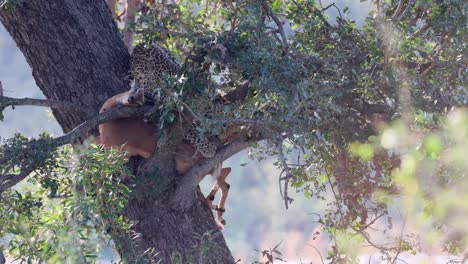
x: 74, y: 50
x: 172, y: 236
x: 76, y: 54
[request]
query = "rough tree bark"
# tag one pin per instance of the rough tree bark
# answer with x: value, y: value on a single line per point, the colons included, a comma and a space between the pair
x: 76, y: 54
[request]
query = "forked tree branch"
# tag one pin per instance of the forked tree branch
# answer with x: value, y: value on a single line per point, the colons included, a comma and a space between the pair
x: 183, y: 197
x: 269, y: 12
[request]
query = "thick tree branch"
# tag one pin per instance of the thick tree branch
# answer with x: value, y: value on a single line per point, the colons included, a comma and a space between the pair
x: 182, y: 198
x: 9, y: 180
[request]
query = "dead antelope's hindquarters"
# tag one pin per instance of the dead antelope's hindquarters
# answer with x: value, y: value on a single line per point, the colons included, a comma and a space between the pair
x: 186, y: 156
x: 137, y: 137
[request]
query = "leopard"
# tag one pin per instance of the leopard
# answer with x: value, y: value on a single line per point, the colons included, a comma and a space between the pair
x: 148, y: 64
x: 202, y: 144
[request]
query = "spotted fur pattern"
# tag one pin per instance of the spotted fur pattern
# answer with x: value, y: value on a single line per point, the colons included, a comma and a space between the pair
x: 148, y: 64
x: 201, y: 143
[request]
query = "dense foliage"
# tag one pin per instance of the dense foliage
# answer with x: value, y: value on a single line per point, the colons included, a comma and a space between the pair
x: 353, y: 115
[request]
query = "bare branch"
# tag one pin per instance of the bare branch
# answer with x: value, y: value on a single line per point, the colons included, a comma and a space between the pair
x: 182, y: 198
x: 9, y: 101
x: 398, y: 11
x: 318, y: 252
x: 287, y: 177
x: 270, y: 13
x: 325, y: 8
x: 165, y: 30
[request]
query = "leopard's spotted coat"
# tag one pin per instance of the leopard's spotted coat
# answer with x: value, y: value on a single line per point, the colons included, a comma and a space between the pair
x: 148, y: 64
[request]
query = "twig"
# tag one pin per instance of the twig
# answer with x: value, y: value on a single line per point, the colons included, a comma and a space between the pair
x: 318, y: 251
x: 372, y: 222
x: 270, y: 13
x: 330, y: 5
x: 289, y: 175
x: 162, y: 29
x: 319, y: 13
x: 398, y: 11
x: 192, y: 113
x: 400, y: 239
x: 234, y: 18
x: 402, y: 14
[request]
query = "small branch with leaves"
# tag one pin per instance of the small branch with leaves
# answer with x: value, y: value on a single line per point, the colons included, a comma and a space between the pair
x: 288, y: 175
x: 269, y: 12
x: 7, y: 179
